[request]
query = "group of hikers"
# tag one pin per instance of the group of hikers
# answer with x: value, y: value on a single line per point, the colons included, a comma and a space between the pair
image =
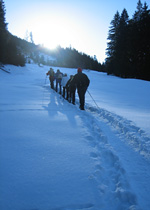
x: 67, y: 86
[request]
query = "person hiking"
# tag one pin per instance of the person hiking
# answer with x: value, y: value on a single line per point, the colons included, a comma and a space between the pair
x: 72, y: 91
x: 64, y: 81
x: 58, y: 77
x: 51, y: 74
x: 81, y: 81
x: 68, y: 88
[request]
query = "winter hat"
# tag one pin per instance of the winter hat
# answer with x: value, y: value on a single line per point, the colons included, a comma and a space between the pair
x: 79, y: 70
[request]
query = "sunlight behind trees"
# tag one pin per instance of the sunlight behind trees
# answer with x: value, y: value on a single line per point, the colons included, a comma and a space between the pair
x: 54, y: 32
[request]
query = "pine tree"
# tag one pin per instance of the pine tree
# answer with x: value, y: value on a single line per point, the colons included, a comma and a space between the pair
x: 9, y: 52
x: 3, y: 25
x: 3, y: 32
x: 121, y: 51
x: 137, y: 14
x: 31, y: 38
x: 112, y: 36
x: 139, y: 33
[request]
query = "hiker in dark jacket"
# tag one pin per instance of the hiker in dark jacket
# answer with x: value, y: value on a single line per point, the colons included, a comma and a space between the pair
x: 71, y: 89
x: 81, y: 81
x: 51, y: 77
x: 58, y: 77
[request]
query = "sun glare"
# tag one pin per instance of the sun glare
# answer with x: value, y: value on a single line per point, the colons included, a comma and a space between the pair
x: 53, y: 33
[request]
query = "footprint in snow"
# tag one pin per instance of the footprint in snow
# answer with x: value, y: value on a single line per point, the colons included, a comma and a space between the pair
x: 91, y: 141
x: 94, y: 155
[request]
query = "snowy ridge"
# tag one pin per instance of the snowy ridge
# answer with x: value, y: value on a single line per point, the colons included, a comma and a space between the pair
x: 126, y: 129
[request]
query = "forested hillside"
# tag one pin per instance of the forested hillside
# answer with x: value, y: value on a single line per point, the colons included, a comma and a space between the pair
x: 128, y: 48
x: 16, y: 51
x: 9, y: 51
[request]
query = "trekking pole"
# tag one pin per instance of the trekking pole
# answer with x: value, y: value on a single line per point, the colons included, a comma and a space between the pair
x: 93, y: 99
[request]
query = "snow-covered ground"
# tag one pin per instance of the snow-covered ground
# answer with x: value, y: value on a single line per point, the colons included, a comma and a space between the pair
x: 54, y: 156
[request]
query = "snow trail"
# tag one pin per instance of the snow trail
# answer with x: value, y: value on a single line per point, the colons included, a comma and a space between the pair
x: 134, y: 163
x: 109, y: 174
x: 55, y: 156
x: 126, y: 129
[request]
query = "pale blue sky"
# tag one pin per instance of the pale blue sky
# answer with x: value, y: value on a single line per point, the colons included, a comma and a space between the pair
x: 83, y: 24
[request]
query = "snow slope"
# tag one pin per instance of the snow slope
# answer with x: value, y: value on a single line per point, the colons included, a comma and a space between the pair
x: 54, y: 156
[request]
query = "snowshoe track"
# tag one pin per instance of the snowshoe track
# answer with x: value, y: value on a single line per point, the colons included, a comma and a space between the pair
x: 127, y: 131
x: 118, y: 188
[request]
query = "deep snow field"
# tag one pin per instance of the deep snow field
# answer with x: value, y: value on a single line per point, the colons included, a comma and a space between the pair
x: 53, y: 156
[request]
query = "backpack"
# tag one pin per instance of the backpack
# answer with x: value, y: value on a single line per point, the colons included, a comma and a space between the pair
x: 60, y: 76
x: 51, y: 73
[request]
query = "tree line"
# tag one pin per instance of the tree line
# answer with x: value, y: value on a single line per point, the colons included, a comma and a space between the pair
x: 16, y: 51
x: 128, y: 48
x: 9, y: 51
x: 70, y: 57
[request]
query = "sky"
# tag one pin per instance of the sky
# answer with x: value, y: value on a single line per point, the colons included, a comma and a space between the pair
x: 80, y: 24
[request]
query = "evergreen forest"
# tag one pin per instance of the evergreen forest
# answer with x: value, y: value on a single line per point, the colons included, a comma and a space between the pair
x: 128, y: 47
x: 9, y: 51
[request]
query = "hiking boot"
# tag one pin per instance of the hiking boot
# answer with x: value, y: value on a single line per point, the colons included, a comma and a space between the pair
x: 81, y: 107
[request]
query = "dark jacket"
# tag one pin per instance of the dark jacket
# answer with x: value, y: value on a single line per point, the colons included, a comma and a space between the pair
x: 70, y: 86
x: 81, y: 80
